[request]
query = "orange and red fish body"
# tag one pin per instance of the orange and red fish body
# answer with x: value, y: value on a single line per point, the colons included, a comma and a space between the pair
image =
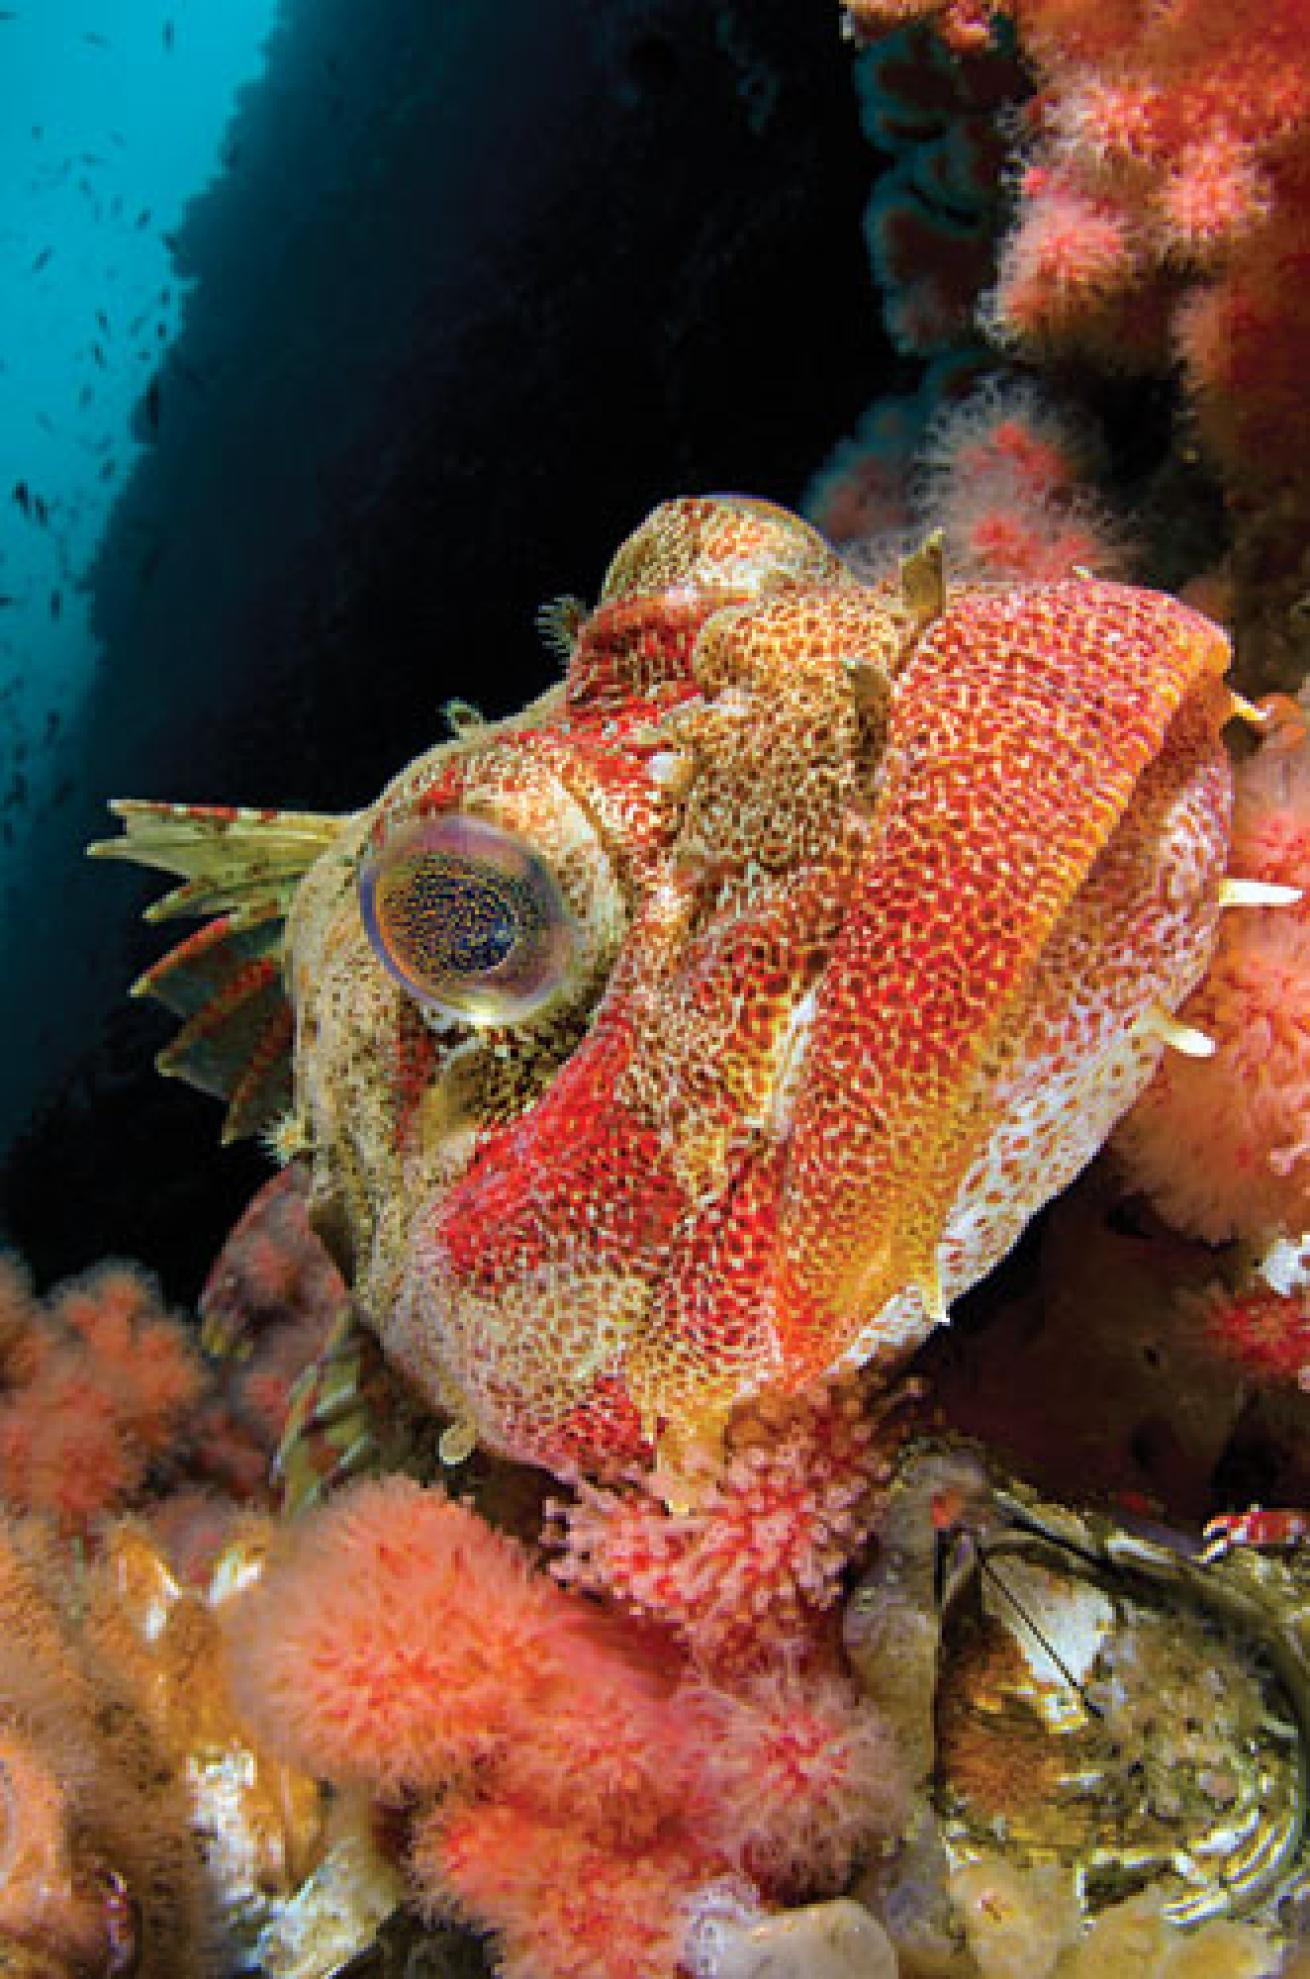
x: 713, y: 1023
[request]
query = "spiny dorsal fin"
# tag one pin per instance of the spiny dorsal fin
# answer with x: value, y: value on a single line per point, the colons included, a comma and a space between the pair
x: 241, y: 867
x: 559, y: 622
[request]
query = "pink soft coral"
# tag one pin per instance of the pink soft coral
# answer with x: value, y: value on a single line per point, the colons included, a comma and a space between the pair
x: 1010, y: 480
x: 1263, y: 1332
x: 562, y: 1906
x: 802, y: 1772
x: 748, y: 1570
x: 792, y: 1782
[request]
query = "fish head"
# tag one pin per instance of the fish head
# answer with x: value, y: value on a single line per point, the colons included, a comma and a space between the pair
x: 710, y: 1025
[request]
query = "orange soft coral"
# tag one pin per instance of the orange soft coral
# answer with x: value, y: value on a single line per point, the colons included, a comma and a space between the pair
x: 1221, y: 1145
x: 398, y: 1640
x: 106, y: 1405
x: 95, y: 1385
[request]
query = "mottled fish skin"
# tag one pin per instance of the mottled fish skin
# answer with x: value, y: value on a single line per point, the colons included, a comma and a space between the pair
x: 875, y: 897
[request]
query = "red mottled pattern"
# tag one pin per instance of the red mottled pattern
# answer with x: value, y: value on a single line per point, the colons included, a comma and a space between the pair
x: 1020, y: 729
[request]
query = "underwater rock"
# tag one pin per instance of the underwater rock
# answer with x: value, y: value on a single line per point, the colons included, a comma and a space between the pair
x: 1113, y: 1718
x: 337, y: 1909
x: 838, y: 1940
x: 1024, y: 1924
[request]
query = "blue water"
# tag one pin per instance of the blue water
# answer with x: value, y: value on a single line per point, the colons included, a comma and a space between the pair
x: 111, y: 118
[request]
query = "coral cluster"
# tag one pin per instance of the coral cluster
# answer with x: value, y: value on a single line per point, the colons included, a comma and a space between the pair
x: 96, y: 1384
x: 1011, y: 477
x: 1011, y: 480
x: 931, y: 227
x: 1162, y: 224
x: 566, y: 1783
x: 108, y: 1404
x: 1165, y: 202
x: 1167, y: 205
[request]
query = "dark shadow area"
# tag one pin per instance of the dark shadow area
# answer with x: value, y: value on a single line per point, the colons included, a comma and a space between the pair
x: 478, y: 286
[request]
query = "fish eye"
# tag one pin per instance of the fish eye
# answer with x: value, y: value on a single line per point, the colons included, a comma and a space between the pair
x: 467, y: 918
